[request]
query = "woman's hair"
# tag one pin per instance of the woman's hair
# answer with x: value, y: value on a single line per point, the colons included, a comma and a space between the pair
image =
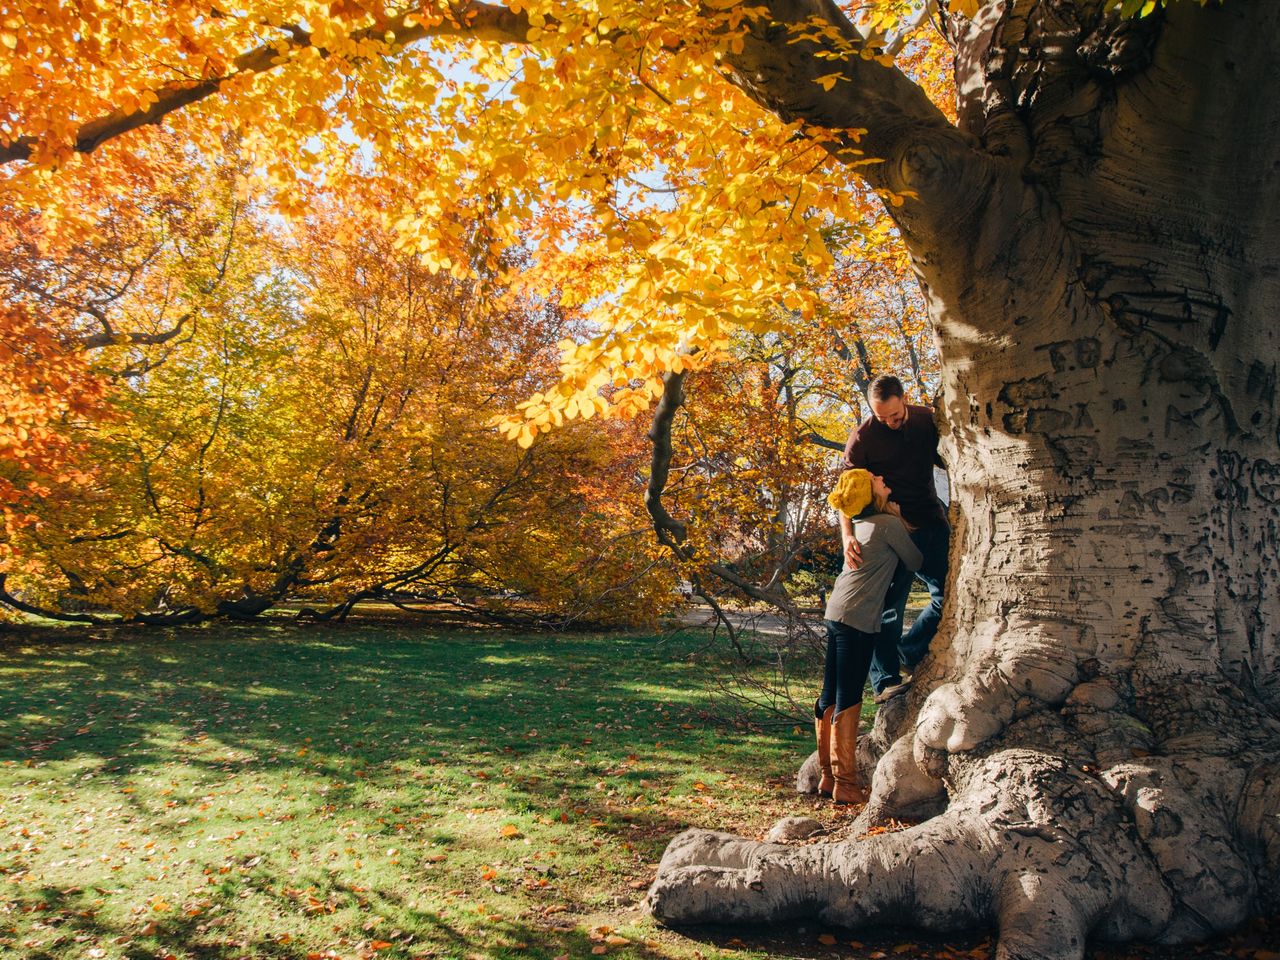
x: 878, y: 504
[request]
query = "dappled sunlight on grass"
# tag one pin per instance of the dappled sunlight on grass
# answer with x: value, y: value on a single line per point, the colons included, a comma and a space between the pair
x: 239, y: 792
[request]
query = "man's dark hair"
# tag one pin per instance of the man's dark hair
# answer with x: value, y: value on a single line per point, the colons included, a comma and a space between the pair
x: 882, y: 388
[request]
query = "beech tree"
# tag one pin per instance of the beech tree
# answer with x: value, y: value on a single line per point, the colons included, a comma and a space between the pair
x: 1094, y: 740
x: 1096, y: 728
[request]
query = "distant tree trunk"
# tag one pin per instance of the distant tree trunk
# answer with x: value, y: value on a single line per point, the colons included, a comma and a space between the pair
x: 1100, y: 716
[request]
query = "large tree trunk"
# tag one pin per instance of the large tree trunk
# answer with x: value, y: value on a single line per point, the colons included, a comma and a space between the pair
x: 1100, y: 715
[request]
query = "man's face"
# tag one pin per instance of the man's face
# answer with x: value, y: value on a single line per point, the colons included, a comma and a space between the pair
x: 891, y: 412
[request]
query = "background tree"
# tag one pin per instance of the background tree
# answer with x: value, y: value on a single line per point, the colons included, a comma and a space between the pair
x: 49, y: 391
x: 222, y: 486
x: 1093, y: 238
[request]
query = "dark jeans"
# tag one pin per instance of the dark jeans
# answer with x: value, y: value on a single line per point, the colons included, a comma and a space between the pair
x: 845, y: 672
x: 892, y: 648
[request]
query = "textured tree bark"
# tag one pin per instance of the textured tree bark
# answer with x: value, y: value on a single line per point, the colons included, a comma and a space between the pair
x: 1100, y: 713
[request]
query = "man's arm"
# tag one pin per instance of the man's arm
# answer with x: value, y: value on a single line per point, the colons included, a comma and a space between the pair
x: 855, y: 453
x: 855, y: 457
x: 898, y: 538
x: 852, y: 548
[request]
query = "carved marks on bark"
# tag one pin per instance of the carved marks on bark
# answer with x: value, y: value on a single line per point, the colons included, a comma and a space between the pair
x: 1245, y: 536
x: 1040, y: 406
x: 1260, y: 386
x: 1240, y: 477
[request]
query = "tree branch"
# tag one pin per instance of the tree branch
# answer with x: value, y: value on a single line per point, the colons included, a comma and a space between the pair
x: 479, y: 21
x: 672, y: 532
x: 787, y: 55
x: 9, y: 600
x: 818, y: 440
x: 804, y: 62
x: 108, y: 337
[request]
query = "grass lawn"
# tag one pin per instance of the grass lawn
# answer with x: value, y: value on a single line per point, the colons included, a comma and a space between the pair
x: 263, y: 792
x: 290, y: 792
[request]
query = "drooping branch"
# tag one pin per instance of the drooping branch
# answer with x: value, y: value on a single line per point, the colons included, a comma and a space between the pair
x: 109, y: 337
x: 673, y: 533
x: 819, y: 440
x: 22, y: 606
x: 476, y: 20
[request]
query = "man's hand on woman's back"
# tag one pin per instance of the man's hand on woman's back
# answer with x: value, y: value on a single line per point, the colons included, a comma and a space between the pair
x: 852, y: 552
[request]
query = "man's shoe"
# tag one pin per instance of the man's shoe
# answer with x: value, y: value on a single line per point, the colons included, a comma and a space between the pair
x: 888, y: 693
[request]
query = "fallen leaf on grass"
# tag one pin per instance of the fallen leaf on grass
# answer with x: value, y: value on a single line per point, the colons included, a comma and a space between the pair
x: 511, y: 831
x: 600, y: 950
x: 827, y: 940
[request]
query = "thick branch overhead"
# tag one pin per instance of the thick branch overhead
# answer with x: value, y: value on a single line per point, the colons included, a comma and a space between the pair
x: 879, y: 108
x: 479, y: 21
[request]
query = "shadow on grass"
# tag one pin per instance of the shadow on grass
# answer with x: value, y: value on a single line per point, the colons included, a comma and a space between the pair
x: 380, y: 697
x: 257, y: 754
x: 70, y: 917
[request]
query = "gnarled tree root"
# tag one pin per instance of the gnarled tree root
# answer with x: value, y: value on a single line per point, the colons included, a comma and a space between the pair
x: 1169, y: 851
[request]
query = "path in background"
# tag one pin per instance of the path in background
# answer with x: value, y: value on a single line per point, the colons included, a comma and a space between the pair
x: 767, y: 622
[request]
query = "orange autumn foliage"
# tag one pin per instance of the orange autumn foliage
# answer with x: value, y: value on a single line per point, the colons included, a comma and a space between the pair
x: 602, y: 140
x: 46, y: 395
x: 322, y: 435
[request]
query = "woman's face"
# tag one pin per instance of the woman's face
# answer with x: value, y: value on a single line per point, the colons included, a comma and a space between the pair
x: 879, y: 489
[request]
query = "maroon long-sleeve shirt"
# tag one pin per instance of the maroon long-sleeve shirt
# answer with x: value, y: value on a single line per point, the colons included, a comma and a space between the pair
x: 905, y: 458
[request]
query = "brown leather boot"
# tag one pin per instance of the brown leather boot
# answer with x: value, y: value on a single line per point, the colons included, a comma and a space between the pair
x: 822, y: 731
x: 844, y: 756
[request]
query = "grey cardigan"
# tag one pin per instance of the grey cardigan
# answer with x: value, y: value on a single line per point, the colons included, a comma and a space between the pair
x: 857, y: 599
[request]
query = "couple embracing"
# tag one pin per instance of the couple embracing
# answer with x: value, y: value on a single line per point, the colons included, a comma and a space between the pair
x: 893, y: 528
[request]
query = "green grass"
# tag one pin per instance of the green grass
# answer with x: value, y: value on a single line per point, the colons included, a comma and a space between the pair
x: 269, y: 792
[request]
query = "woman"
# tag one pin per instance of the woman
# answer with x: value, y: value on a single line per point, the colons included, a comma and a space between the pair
x: 853, y: 622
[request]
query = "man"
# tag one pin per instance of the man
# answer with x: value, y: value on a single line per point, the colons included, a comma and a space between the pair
x: 899, y: 442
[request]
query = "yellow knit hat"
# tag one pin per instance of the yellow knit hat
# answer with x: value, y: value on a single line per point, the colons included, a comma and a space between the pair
x: 852, y: 492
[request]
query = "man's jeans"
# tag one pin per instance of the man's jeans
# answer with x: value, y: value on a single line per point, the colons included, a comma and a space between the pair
x: 892, y: 647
